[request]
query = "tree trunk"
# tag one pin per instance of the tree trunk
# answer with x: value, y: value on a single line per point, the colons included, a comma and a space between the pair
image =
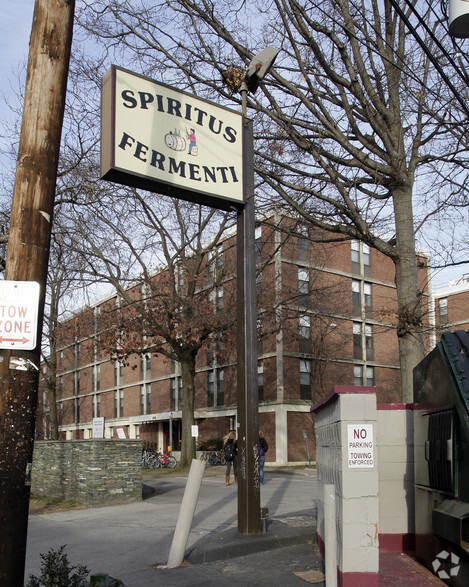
x: 409, y: 328
x: 188, y: 391
x: 27, y: 259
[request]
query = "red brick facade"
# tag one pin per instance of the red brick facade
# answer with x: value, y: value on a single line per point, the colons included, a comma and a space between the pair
x: 335, y: 325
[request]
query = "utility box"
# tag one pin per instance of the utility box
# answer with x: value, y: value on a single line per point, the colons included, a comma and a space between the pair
x: 441, y: 457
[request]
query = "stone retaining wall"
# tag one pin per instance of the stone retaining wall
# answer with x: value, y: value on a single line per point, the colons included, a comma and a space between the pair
x: 93, y: 472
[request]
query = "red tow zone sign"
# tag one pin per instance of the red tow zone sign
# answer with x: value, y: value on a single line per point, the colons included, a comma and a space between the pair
x: 19, y: 302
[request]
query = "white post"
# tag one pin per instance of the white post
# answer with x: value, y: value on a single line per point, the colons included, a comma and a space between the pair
x: 330, y: 535
x: 186, y: 513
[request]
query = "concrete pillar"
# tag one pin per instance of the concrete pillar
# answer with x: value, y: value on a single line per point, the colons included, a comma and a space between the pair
x: 346, y: 457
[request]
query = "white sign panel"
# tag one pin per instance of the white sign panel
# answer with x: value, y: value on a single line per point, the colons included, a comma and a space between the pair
x: 98, y: 427
x: 360, y: 448
x: 195, y: 430
x: 167, y: 141
x: 19, y: 303
x: 120, y: 433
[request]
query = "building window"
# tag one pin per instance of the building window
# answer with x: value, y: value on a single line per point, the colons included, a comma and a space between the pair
x: 259, y: 284
x: 357, y: 341
x: 220, y: 387
x: 118, y: 372
x: 363, y: 375
x: 215, y: 297
x: 260, y: 381
x: 77, y: 353
x: 176, y: 401
x: 305, y: 345
x: 367, y: 298
x: 142, y: 399
x: 355, y: 252
x: 369, y: 342
x: 76, y: 382
x: 216, y: 387
x: 356, y: 298
x: 258, y: 243
x: 145, y: 398
x: 303, y: 243
x: 119, y: 403
x: 443, y: 310
x: 358, y: 375
x: 305, y: 379
x: 361, y: 258
x: 76, y: 405
x: 145, y: 366
x: 148, y: 397
x: 211, y: 388
x: 96, y: 372
x: 215, y: 265
x: 260, y: 340
x: 303, y: 288
x: 366, y: 260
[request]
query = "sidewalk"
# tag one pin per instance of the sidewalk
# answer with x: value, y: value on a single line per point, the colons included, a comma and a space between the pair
x: 132, y: 542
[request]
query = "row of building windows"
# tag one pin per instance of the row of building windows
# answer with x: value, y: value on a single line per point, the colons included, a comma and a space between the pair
x: 362, y: 342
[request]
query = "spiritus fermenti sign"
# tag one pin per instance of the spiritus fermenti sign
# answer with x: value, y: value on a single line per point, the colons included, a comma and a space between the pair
x: 167, y: 141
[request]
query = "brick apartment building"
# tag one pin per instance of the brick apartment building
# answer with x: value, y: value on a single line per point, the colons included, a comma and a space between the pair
x: 334, y: 323
x: 449, y: 307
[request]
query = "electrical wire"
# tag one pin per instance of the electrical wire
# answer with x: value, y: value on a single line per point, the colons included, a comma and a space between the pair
x: 427, y: 51
x: 405, y: 70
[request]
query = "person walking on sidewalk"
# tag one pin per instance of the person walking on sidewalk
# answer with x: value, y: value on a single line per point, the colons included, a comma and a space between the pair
x: 263, y: 448
x: 230, y: 450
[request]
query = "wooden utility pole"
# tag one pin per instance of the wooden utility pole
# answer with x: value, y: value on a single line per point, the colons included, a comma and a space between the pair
x: 27, y: 260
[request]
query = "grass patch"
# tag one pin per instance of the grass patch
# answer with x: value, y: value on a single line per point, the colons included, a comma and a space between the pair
x: 39, y: 504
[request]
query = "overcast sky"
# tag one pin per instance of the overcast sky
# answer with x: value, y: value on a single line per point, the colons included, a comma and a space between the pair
x: 15, y: 29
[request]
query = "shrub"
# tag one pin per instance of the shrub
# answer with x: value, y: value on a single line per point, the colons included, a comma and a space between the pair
x: 56, y: 571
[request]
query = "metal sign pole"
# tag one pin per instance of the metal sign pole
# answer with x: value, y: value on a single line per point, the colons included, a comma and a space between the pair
x: 248, y: 427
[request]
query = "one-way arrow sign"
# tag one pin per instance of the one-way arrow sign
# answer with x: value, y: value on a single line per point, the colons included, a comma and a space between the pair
x: 19, y: 302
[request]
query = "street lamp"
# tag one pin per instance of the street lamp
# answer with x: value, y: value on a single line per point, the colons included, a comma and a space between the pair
x: 257, y: 70
x: 247, y: 399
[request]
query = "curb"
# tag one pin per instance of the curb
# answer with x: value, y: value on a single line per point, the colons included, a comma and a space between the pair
x: 282, y: 531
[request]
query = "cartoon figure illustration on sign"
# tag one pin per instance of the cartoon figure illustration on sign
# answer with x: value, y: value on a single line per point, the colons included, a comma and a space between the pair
x: 192, y: 142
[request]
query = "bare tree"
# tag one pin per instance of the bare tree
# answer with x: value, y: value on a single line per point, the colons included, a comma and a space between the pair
x: 159, y: 255
x: 352, y: 127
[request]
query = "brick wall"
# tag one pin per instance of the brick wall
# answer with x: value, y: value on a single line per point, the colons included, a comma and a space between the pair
x: 93, y: 472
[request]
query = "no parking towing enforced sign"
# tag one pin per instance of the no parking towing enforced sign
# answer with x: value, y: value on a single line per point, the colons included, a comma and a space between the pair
x: 360, y: 447
x: 19, y: 302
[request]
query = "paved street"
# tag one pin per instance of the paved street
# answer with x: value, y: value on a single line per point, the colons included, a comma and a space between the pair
x: 129, y: 541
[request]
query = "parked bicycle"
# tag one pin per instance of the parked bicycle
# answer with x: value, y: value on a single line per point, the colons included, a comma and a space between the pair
x: 150, y: 459
x: 166, y: 460
x: 213, y: 457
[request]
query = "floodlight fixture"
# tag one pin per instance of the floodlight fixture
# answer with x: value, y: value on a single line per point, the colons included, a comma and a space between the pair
x: 459, y: 19
x: 259, y: 67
